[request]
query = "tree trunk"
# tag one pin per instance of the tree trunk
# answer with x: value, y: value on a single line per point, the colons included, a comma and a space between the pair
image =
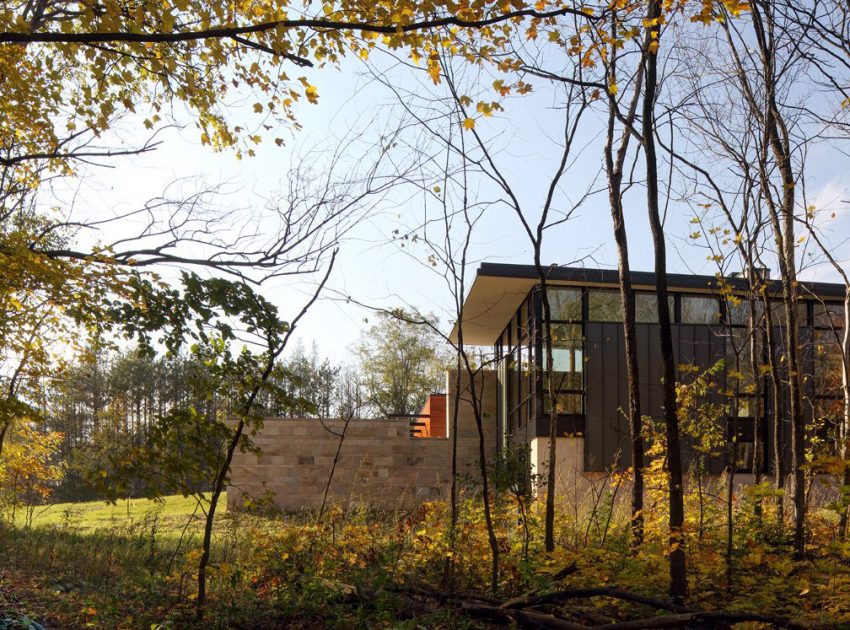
x: 782, y: 221
x: 630, y: 341
x: 217, y: 489
x: 449, y: 563
x: 844, y: 432
x: 551, y: 472
x: 614, y: 172
x: 755, y: 348
x: 776, y: 404
x: 485, y: 484
x: 678, y: 575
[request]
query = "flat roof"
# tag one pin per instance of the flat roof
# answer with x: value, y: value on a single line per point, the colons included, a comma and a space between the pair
x: 499, y: 289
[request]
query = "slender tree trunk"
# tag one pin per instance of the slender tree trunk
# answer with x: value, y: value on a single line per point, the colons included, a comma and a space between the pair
x: 797, y: 435
x: 792, y: 360
x: 449, y: 563
x: 485, y: 483
x: 274, y: 351
x: 614, y: 172
x: 333, y: 469
x: 218, y: 488
x: 629, y: 337
x: 776, y: 406
x: 732, y: 464
x: 755, y: 365
x: 551, y: 472
x: 844, y: 431
x: 783, y: 222
x: 3, y: 431
x: 678, y: 574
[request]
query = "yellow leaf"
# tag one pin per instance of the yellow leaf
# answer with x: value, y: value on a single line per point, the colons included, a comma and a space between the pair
x: 468, y: 123
x: 312, y: 94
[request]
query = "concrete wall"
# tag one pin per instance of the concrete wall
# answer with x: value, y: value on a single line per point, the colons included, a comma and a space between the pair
x: 576, y: 486
x: 379, y: 463
x: 569, y: 460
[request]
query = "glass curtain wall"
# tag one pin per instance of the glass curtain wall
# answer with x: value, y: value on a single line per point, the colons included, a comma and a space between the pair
x: 524, y: 385
x: 567, y: 350
x: 523, y: 395
x: 515, y: 350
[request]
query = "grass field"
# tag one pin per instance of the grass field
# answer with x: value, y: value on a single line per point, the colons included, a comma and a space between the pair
x: 173, y: 513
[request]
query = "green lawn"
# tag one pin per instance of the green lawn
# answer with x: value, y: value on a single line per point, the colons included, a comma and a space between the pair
x: 173, y: 512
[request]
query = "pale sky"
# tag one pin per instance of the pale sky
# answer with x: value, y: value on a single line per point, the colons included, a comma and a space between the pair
x: 371, y: 267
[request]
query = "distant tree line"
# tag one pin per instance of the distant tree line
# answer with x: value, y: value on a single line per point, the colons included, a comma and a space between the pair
x: 111, y: 405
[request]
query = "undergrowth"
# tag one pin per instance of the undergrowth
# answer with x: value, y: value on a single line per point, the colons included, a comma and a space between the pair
x: 290, y: 571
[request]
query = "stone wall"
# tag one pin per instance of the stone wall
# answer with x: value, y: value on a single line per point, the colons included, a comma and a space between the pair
x: 379, y: 463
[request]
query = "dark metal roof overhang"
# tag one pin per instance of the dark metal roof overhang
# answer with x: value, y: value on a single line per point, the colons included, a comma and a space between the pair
x: 500, y: 288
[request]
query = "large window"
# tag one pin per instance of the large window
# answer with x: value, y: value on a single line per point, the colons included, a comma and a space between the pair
x: 567, y: 369
x: 646, y: 308
x: 568, y: 351
x: 604, y: 306
x: 607, y: 306
x: 564, y: 304
x: 829, y: 316
x: 737, y: 312
x: 700, y: 310
x: 517, y: 380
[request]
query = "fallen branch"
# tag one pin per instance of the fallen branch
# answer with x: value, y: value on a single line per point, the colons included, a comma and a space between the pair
x: 524, y: 617
x: 444, y: 595
x: 603, y: 591
x: 683, y: 613
x: 683, y: 620
x: 566, y: 571
x: 515, y: 610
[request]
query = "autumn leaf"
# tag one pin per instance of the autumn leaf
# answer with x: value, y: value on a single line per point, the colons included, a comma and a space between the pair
x: 312, y: 94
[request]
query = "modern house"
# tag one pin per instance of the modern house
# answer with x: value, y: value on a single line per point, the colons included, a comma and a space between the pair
x: 402, y: 461
x: 504, y: 309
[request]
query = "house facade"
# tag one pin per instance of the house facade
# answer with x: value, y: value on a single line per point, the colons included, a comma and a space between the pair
x: 304, y: 463
x: 711, y: 334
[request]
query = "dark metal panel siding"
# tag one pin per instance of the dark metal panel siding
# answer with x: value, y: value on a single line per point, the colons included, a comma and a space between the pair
x: 615, y: 428
x: 610, y: 375
x: 684, y: 344
x: 594, y: 397
x: 607, y: 429
x: 654, y: 372
x: 606, y: 389
x: 623, y: 431
x: 642, y: 334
